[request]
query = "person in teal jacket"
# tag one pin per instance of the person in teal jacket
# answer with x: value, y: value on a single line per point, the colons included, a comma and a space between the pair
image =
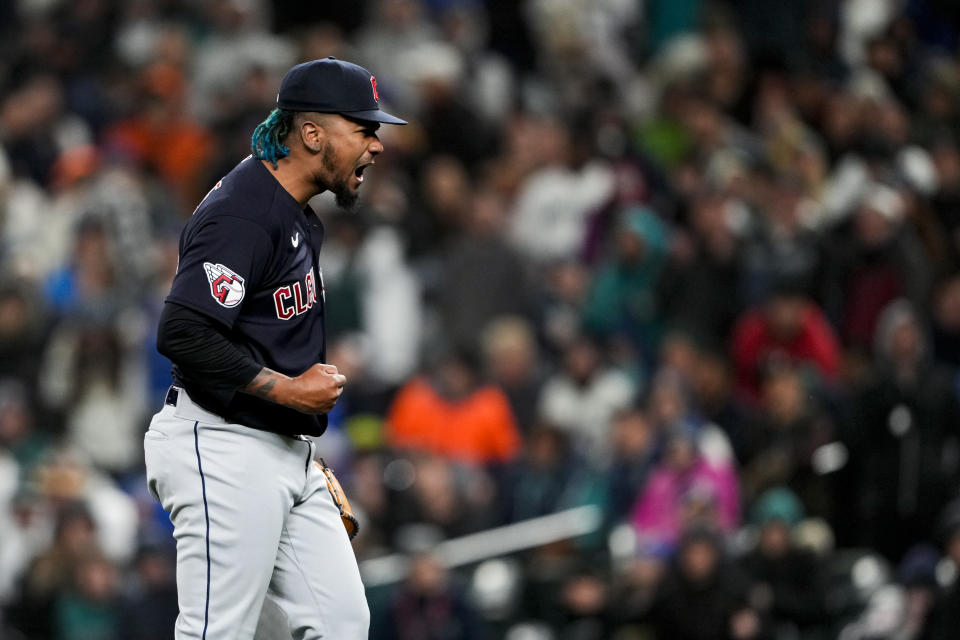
x: 622, y: 300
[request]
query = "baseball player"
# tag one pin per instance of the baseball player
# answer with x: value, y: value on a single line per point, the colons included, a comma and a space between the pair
x: 228, y: 455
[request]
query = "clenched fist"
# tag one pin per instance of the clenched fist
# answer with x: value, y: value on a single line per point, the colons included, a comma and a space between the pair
x: 316, y: 390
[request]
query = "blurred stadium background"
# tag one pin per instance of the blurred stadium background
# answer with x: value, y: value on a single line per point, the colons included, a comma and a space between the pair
x: 651, y: 317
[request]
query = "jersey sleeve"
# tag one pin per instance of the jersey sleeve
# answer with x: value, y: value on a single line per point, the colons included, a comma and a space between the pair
x: 221, y: 261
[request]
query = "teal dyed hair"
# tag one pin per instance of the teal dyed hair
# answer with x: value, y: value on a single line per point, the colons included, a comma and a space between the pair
x: 266, y: 142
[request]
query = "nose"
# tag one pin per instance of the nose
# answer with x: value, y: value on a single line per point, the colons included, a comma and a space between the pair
x: 375, y: 147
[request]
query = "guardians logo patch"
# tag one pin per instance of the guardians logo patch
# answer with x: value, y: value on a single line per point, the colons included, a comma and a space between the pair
x: 226, y: 286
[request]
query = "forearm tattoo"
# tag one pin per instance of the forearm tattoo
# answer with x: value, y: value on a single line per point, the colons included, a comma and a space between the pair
x: 263, y: 383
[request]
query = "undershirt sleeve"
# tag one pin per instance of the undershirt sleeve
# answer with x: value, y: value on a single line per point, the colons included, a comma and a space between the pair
x: 195, y: 343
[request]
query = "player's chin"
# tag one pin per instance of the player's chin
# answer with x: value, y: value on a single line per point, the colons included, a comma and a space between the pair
x: 347, y: 196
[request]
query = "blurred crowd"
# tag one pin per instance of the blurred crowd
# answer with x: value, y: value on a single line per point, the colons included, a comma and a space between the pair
x: 693, y: 263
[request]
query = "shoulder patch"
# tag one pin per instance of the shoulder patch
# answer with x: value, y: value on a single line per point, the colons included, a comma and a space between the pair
x: 226, y: 286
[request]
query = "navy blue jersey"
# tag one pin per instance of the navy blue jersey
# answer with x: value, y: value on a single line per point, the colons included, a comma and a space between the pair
x: 248, y: 260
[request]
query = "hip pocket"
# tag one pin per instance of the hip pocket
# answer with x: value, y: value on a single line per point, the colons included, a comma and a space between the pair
x: 153, y: 442
x: 154, y: 434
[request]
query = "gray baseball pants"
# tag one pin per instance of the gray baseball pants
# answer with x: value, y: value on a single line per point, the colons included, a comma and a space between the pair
x: 252, y: 518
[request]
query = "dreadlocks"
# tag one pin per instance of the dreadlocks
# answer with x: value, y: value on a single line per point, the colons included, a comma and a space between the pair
x: 266, y: 142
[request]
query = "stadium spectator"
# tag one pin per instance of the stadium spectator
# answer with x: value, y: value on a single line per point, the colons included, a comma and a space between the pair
x: 479, y: 259
x: 946, y: 322
x: 582, y: 398
x: 512, y: 360
x: 455, y: 416
x: 884, y: 263
x: 787, y: 586
x: 684, y: 491
x: 551, y: 477
x: 703, y: 596
x: 429, y: 605
x: 902, y: 425
x: 149, y: 610
x: 635, y: 443
x: 622, y: 300
x: 90, y: 606
x: 783, y: 437
x: 787, y: 326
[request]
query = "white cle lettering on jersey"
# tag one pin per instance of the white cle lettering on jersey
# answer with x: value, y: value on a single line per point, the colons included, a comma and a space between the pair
x: 293, y: 299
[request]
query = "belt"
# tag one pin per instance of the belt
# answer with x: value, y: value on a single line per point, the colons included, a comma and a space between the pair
x: 186, y: 408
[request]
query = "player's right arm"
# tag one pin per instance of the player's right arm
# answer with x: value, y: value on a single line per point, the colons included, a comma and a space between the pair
x: 315, y: 390
x: 222, y: 257
x: 194, y: 343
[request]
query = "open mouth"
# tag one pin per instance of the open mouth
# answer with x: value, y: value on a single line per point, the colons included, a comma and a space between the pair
x: 358, y: 172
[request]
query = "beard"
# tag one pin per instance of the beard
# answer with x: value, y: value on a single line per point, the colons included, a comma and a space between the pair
x: 344, y: 196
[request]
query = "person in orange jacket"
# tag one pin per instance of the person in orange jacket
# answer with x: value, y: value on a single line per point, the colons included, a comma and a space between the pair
x: 454, y: 415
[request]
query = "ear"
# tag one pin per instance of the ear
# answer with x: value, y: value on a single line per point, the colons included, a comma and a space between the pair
x: 312, y: 135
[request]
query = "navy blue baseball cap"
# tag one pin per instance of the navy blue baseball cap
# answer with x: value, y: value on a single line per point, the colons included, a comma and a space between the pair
x: 333, y: 86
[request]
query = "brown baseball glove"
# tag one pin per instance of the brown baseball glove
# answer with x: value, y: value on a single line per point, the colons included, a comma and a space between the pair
x: 350, y: 522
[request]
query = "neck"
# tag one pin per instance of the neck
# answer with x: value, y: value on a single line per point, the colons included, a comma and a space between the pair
x: 297, y: 182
